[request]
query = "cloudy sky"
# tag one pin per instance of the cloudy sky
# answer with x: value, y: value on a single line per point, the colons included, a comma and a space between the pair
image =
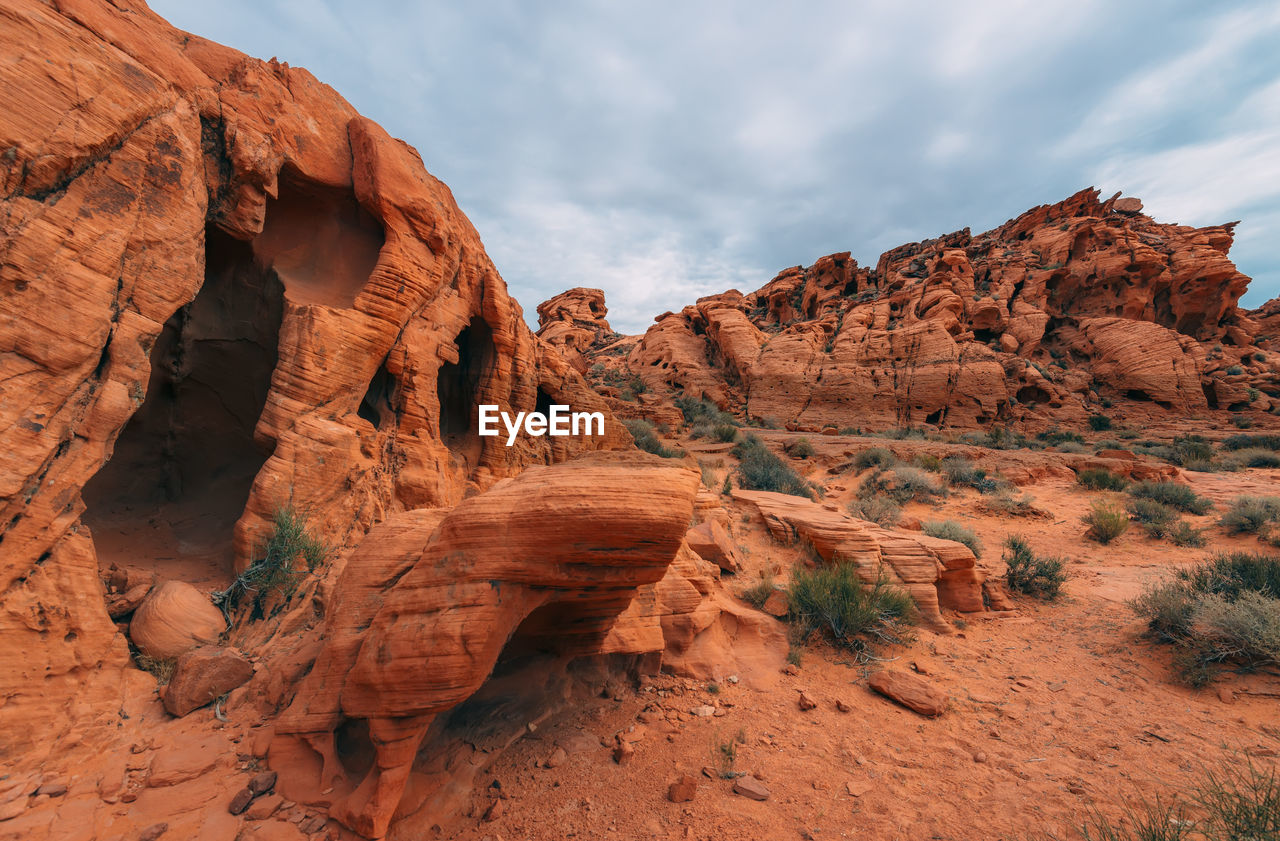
x: 667, y: 150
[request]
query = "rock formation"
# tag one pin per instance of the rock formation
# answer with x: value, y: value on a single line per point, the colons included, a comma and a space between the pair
x: 1055, y: 314
x: 574, y: 321
x: 222, y: 291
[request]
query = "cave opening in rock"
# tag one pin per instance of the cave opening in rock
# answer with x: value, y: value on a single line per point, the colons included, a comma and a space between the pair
x: 458, y: 388
x: 182, y: 468
x: 377, y: 406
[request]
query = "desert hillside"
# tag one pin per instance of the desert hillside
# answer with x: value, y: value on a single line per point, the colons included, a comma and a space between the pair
x: 981, y: 541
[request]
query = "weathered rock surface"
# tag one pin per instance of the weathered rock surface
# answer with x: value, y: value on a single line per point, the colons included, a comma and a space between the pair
x: 175, y: 617
x: 224, y: 291
x: 574, y: 322
x: 936, y: 573
x: 1036, y: 322
x: 420, y: 616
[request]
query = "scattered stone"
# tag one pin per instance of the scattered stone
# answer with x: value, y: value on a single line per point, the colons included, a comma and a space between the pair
x: 51, y: 790
x: 921, y: 668
x: 264, y: 807
x: 751, y: 787
x: 842, y: 706
x: 910, y: 690
x: 315, y: 823
x: 791, y: 669
x: 807, y: 703
x: 776, y: 604
x: 241, y: 801
x: 202, y: 675
x: 262, y: 783
x: 556, y: 759
x: 979, y: 757
x: 731, y: 679
x: 683, y: 789
x: 153, y: 832
x: 622, y: 752
x: 703, y: 711
x: 494, y: 811
x: 708, y: 773
x: 1226, y: 695
x: 857, y: 789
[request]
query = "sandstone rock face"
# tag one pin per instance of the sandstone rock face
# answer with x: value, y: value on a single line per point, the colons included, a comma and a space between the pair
x: 1036, y: 322
x: 174, y: 618
x: 574, y: 322
x: 936, y: 573
x: 421, y: 615
x: 224, y: 291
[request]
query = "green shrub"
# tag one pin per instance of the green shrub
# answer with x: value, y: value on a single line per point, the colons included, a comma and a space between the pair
x: 926, y: 461
x: 836, y: 602
x: 760, y: 470
x: 1249, y: 442
x: 757, y: 594
x: 703, y: 411
x: 874, y: 457
x: 1101, y: 479
x: 902, y: 484
x: 275, y: 567
x: 800, y: 448
x: 1251, y: 514
x: 1172, y: 494
x: 1190, y: 449
x: 1056, y: 437
x: 1156, y: 517
x: 1224, y: 610
x: 1004, y: 502
x: 1253, y: 457
x: 1106, y: 522
x: 1241, y: 421
x: 880, y: 510
x: 951, y: 530
x: 1072, y: 447
x: 1041, y: 577
x: 1183, y: 533
x: 960, y: 472
x: 646, y: 438
x: 725, y: 432
x: 1098, y: 423
x: 1235, y: 371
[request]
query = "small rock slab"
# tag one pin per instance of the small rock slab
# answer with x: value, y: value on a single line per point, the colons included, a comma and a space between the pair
x: 683, y: 789
x: 751, y: 787
x: 911, y: 691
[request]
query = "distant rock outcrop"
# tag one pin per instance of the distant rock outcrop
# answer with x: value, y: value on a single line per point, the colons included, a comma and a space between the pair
x: 1056, y: 314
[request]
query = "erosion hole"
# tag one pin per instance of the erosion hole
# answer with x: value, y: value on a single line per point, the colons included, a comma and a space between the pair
x: 183, y: 466
x: 458, y: 389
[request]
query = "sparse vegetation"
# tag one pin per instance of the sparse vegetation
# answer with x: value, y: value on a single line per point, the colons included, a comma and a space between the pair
x: 646, y: 438
x: 874, y: 457
x: 800, y: 448
x: 1101, y: 479
x: 1106, y: 522
x: 161, y: 669
x: 960, y: 472
x: 1250, y: 442
x: 760, y: 469
x: 835, y: 601
x: 1252, y: 457
x: 275, y: 568
x: 697, y: 411
x: 1172, y: 494
x: 1183, y: 533
x: 1251, y: 514
x: 1155, y: 517
x: 951, y: 530
x: 1033, y: 575
x: 757, y: 594
x: 882, y: 511
x: 1005, y: 502
x: 1099, y: 423
x: 902, y: 484
x: 1225, y: 610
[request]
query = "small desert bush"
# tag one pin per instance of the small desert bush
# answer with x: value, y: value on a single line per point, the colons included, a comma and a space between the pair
x: 757, y: 594
x: 1072, y: 447
x: 702, y: 429
x: 1251, y: 514
x: 799, y: 448
x: 725, y: 432
x: 1099, y: 423
x: 275, y: 567
x: 1106, y: 522
x: 1172, y: 494
x: 1249, y: 442
x: 1156, y: 517
x: 759, y: 469
x: 1191, y: 449
x: 703, y: 411
x: 926, y: 461
x: 161, y: 669
x: 874, y: 457
x: 961, y: 472
x: 1183, y: 533
x: 1224, y: 610
x: 1039, y: 576
x: 1235, y: 801
x: 835, y: 601
x: 1101, y: 479
x: 1007, y: 503
x: 1253, y: 457
x: 902, y: 484
x: 882, y: 511
x: 951, y: 530
x: 646, y: 438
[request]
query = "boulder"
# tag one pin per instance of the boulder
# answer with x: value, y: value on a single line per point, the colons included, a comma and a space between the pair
x: 912, y: 691
x: 711, y: 540
x: 173, y: 618
x: 202, y: 675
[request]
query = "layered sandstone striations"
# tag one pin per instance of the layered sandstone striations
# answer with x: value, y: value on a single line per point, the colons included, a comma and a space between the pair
x: 1060, y: 312
x: 222, y: 291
